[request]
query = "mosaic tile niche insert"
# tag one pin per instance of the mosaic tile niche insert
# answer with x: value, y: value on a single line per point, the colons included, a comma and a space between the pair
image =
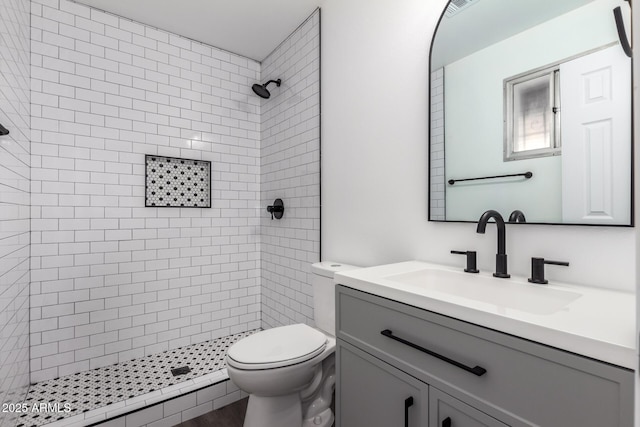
x: 180, y: 183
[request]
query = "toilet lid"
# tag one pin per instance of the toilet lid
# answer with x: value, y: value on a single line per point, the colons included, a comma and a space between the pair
x: 277, y: 347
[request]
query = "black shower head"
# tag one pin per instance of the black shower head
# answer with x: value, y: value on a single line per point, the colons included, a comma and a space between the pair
x: 261, y: 90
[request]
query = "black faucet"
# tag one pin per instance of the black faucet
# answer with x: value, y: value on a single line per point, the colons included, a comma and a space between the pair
x: 517, y: 216
x: 501, y: 256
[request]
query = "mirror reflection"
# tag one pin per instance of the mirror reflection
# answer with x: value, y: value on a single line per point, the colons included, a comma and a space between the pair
x: 531, y: 112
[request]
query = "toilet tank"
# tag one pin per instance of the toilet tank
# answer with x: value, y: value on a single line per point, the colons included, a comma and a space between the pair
x: 324, y: 299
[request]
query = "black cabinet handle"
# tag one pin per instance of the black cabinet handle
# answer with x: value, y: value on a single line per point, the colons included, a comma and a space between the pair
x: 477, y: 370
x: 408, y: 403
x: 446, y: 422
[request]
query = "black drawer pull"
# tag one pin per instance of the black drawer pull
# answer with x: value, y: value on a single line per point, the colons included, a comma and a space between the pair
x: 476, y: 370
x: 408, y: 402
x: 446, y: 422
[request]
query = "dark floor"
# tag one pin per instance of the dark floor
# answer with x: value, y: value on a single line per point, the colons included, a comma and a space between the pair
x: 228, y: 416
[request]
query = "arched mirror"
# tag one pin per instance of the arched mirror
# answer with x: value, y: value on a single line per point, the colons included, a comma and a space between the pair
x: 530, y: 111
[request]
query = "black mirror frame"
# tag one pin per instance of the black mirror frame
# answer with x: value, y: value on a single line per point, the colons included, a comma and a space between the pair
x: 632, y: 154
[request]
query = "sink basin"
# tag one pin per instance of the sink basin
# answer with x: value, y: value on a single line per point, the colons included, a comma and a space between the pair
x: 596, y: 322
x: 506, y: 293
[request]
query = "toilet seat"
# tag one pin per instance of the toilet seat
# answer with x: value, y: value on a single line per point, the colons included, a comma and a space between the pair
x: 277, y: 347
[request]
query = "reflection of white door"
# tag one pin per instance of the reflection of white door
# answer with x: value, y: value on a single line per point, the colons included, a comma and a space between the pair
x: 596, y: 138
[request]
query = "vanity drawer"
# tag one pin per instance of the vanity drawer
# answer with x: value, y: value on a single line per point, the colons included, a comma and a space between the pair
x: 533, y: 383
x: 446, y: 411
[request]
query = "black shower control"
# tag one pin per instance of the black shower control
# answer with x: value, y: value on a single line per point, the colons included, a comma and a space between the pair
x: 537, y: 269
x: 471, y: 260
x: 3, y: 131
x: 277, y: 209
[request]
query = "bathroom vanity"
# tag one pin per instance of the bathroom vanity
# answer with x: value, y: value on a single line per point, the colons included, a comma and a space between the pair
x: 425, y: 345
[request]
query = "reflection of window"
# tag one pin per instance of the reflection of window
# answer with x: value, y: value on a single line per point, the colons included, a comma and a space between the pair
x: 532, y: 108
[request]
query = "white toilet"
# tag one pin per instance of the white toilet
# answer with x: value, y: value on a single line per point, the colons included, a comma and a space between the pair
x: 289, y: 371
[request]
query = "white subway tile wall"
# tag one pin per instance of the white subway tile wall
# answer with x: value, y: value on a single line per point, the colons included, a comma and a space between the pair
x: 14, y: 205
x: 437, y: 184
x: 111, y: 279
x: 290, y: 170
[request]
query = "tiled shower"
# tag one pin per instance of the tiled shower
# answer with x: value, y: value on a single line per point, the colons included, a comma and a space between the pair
x: 290, y: 170
x: 86, y: 95
x: 14, y: 203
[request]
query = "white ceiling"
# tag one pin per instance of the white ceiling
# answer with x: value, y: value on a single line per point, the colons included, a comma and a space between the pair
x: 251, y: 28
x: 486, y: 22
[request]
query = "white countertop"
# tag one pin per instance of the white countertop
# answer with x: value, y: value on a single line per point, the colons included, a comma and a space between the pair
x: 593, y: 322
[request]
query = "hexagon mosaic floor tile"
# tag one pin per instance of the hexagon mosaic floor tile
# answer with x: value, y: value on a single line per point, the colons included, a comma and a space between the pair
x: 100, y: 387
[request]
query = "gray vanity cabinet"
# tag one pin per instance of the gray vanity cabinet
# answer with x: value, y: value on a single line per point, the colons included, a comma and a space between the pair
x: 375, y: 394
x: 378, y: 394
x: 473, y: 376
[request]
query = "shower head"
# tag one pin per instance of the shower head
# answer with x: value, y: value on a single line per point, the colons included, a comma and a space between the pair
x: 261, y: 90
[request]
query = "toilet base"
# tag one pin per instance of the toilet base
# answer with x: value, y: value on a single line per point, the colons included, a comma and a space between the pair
x: 323, y: 419
x: 274, y: 411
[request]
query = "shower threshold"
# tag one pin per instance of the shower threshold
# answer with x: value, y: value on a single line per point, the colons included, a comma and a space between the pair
x: 136, y: 392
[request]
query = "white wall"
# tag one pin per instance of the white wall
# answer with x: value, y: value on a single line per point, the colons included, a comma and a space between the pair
x: 474, y: 117
x: 14, y: 205
x: 374, y: 158
x: 290, y: 170
x: 111, y: 279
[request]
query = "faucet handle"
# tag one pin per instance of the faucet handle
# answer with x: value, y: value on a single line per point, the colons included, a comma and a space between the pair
x: 471, y: 260
x: 537, y: 269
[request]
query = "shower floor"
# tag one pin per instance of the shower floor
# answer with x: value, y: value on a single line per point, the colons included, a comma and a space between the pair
x: 118, y: 389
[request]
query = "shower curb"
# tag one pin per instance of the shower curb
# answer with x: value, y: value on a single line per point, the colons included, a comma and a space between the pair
x: 162, y: 408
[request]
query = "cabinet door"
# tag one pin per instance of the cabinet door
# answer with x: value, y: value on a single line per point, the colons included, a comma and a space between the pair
x: 371, y: 393
x: 447, y: 411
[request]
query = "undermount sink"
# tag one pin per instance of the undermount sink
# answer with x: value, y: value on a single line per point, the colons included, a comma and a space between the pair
x: 509, y: 294
x: 595, y: 322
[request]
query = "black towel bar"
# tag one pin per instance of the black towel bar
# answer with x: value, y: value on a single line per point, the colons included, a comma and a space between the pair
x: 527, y: 175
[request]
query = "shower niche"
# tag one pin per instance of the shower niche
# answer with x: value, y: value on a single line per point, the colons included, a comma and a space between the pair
x: 178, y: 183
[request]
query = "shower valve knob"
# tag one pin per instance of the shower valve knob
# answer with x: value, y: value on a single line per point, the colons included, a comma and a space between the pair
x: 277, y: 209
